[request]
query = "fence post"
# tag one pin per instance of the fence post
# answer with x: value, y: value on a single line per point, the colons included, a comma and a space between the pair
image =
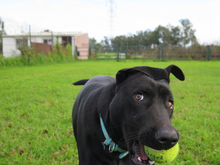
x: 159, y: 52
x: 117, y: 53
x: 200, y: 52
x: 95, y: 50
x: 208, y: 52
x: 165, y: 52
x: 90, y: 51
x: 126, y: 53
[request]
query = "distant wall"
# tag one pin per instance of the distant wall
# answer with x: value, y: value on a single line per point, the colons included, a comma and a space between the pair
x: 82, y: 43
x: 41, y: 47
x: 9, y: 47
x: 10, y: 44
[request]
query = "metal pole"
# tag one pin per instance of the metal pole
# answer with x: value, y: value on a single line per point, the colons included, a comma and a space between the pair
x: 52, y: 37
x: 165, y: 53
x: 159, y: 52
x: 117, y: 53
x: 30, y: 34
x: 2, y: 37
x: 208, y: 53
x: 73, y: 46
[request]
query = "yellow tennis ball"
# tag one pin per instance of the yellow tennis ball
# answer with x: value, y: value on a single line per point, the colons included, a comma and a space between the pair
x: 162, y: 156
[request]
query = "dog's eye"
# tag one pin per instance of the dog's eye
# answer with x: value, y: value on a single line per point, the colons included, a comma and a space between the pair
x: 170, y: 105
x: 139, y: 97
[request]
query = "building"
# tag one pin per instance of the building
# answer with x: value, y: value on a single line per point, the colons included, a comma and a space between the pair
x: 12, y: 43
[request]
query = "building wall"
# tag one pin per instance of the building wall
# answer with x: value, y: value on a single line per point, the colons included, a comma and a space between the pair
x: 37, y: 39
x: 59, y: 39
x: 9, y: 47
x: 82, y: 43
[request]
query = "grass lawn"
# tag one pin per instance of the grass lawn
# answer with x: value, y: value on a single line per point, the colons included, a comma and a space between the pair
x: 36, y: 103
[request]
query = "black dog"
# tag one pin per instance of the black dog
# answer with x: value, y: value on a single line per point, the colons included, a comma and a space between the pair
x: 114, y: 118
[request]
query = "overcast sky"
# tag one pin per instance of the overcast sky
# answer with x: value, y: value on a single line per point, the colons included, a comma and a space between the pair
x: 93, y: 16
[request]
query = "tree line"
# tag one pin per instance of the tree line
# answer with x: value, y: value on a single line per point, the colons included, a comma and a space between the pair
x: 167, y: 35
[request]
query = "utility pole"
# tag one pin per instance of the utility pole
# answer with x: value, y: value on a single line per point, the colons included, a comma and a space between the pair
x: 30, y: 34
x: 111, y: 6
x: 1, y: 35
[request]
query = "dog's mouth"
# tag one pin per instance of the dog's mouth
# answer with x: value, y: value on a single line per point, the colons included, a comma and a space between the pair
x: 139, y: 157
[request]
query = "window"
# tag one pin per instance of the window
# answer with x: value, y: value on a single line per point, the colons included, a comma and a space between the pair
x: 49, y: 42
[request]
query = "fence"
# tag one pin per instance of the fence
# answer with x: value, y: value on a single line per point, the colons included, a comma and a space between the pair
x: 211, y: 52
x: 42, y: 47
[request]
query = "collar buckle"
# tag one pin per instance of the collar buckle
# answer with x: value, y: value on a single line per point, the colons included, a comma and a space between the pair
x: 111, y: 149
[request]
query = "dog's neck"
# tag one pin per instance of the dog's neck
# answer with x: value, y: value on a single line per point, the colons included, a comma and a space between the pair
x: 109, y: 142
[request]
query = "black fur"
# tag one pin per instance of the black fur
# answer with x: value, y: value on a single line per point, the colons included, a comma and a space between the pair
x: 129, y: 122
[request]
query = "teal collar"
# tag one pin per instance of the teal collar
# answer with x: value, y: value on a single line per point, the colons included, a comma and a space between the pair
x: 109, y: 142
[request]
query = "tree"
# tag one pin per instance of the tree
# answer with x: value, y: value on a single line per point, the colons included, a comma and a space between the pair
x: 131, y: 40
x: 92, y: 42
x: 161, y: 35
x: 106, y: 42
x: 142, y: 38
x: 175, y: 35
x: 187, y: 33
x: 119, y: 41
x: 169, y: 35
x: 98, y: 47
x: 47, y: 30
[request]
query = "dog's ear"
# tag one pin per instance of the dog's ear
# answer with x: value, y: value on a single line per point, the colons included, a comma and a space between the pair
x: 154, y: 73
x: 123, y: 74
x: 81, y: 82
x: 176, y: 71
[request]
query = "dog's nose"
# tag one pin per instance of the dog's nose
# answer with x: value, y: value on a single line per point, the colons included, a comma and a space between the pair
x: 167, y: 138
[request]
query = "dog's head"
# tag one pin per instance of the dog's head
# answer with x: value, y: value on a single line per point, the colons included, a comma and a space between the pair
x: 143, y: 105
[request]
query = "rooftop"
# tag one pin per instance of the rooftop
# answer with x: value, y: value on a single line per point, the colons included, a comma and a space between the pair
x: 46, y: 34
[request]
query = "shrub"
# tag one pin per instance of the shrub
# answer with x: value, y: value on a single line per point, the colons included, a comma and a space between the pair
x: 29, y: 57
x: 68, y: 50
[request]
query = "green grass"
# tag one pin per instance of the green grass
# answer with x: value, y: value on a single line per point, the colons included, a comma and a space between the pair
x: 36, y: 103
x: 107, y: 53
